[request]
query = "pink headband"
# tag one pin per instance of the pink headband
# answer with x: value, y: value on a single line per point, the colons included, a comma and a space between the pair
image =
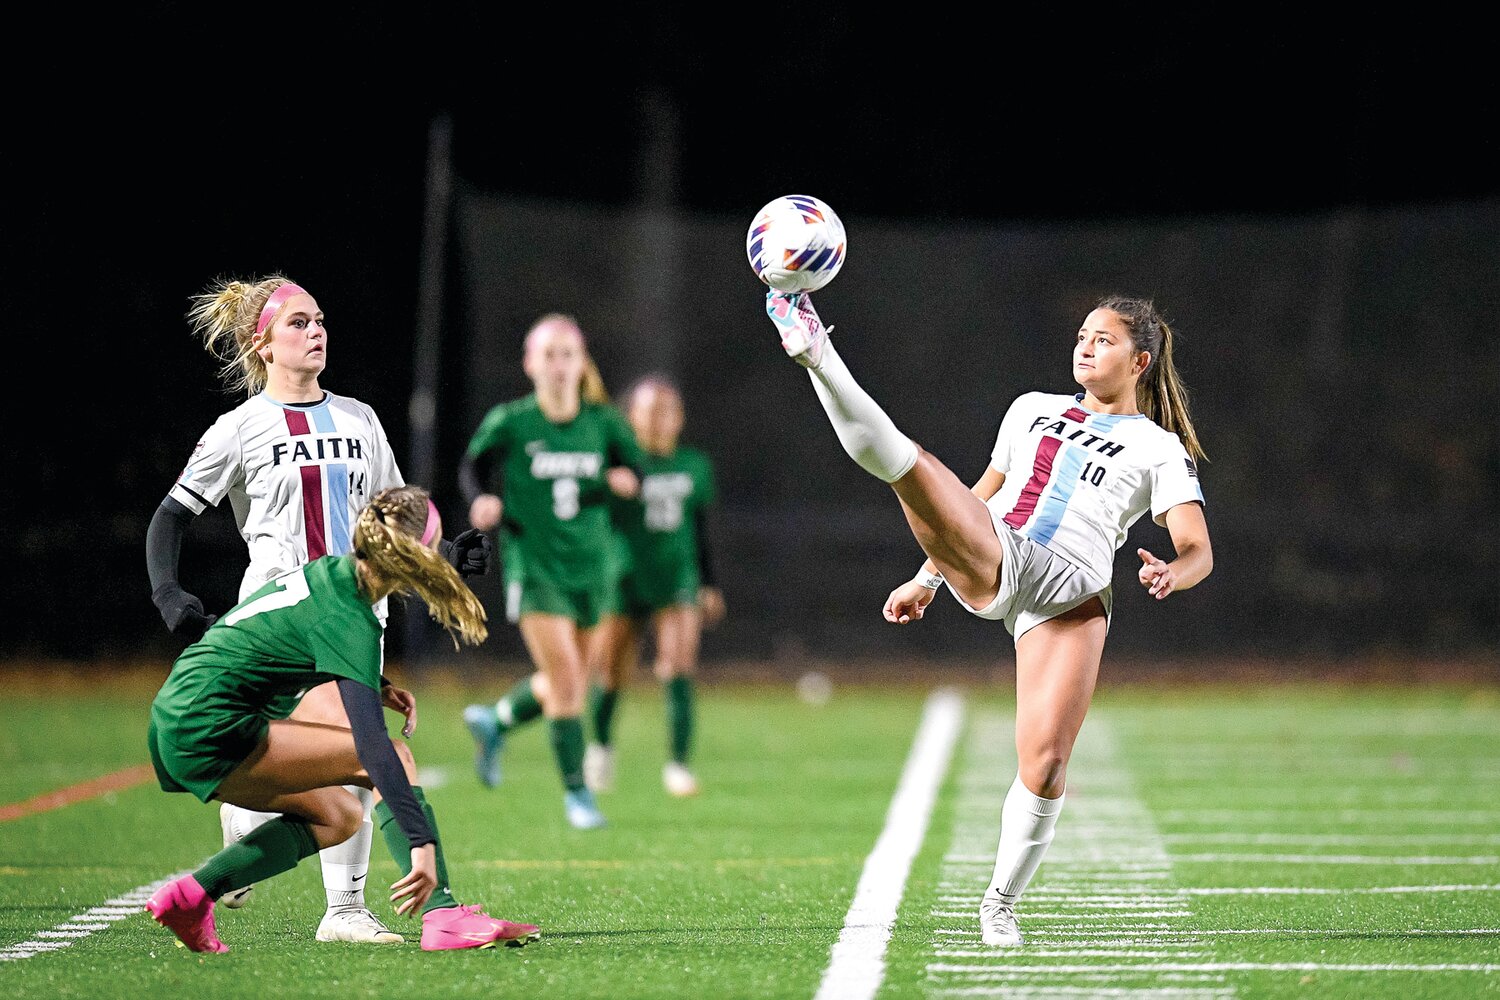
x: 429, y: 532
x: 274, y: 303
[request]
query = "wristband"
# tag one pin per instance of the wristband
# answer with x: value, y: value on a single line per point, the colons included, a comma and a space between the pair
x: 932, y: 581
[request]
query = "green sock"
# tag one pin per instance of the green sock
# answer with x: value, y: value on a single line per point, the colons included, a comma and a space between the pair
x: 679, y: 692
x: 400, y: 848
x: 270, y: 849
x: 567, y: 746
x: 518, y: 706
x: 602, y: 702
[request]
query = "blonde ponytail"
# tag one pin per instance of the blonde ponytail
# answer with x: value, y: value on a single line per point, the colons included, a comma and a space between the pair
x: 387, y: 540
x: 224, y: 316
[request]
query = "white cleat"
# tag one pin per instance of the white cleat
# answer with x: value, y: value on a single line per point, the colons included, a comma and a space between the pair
x: 803, y: 334
x: 232, y: 834
x: 997, y: 923
x: 356, y: 925
x: 599, y: 768
x: 678, y: 780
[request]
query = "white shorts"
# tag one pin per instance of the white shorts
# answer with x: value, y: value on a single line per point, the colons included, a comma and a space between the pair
x: 1037, y: 584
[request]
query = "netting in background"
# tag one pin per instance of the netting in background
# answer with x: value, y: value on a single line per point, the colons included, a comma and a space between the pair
x: 1342, y: 371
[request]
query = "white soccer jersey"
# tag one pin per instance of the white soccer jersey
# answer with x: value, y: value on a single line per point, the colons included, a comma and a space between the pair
x: 296, y: 476
x: 1075, y: 481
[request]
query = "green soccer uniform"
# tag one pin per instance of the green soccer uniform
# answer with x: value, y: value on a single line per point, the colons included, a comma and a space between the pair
x: 556, y: 530
x: 307, y: 627
x: 660, y: 529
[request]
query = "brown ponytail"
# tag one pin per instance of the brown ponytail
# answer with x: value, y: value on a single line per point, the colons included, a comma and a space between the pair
x: 1161, y: 393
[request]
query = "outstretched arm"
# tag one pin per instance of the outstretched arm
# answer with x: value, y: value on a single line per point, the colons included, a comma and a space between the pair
x: 1195, y: 556
x: 182, y: 611
x: 379, y: 758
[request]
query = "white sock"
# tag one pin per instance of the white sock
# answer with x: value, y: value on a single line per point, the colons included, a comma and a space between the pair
x: 864, y: 429
x: 346, y: 865
x: 1027, y: 822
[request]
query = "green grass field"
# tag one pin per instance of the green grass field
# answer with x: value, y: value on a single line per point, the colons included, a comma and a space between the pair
x: 1292, y: 841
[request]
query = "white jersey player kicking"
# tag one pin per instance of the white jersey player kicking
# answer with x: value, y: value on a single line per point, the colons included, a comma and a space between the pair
x: 1032, y: 542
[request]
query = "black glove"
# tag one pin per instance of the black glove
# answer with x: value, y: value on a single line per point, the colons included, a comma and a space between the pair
x: 182, y: 612
x: 471, y: 552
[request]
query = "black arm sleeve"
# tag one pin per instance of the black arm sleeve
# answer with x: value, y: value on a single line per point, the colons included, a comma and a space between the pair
x: 473, y: 476
x: 373, y: 744
x: 706, y: 575
x: 164, y: 542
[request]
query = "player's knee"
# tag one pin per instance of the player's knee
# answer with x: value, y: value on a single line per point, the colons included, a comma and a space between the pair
x: 1044, y: 771
x: 345, y: 816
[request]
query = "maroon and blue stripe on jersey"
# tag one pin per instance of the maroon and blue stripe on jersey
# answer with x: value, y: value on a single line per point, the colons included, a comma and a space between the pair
x: 325, y: 488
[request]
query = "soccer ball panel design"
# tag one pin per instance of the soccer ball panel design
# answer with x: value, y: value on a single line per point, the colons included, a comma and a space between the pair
x: 796, y: 243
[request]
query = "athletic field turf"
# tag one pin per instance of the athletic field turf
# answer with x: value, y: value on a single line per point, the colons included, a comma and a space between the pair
x: 1267, y: 841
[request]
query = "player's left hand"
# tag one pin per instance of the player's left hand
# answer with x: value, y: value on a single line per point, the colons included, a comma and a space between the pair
x: 411, y: 892
x: 711, y: 605
x: 403, y: 701
x: 623, y: 482
x: 1155, y: 575
x: 471, y: 552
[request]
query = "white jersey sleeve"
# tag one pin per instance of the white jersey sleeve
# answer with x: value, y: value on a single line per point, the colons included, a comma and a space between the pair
x: 215, y: 467
x: 1174, y: 481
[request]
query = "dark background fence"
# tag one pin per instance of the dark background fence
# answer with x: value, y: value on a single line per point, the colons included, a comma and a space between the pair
x: 1326, y: 245
x: 1342, y: 372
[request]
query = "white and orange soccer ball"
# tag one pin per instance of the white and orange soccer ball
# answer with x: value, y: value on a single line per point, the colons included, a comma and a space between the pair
x: 796, y: 243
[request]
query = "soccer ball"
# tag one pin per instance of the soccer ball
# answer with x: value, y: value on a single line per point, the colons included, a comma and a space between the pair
x: 796, y: 243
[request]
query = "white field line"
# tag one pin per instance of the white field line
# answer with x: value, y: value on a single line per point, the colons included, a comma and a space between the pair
x: 988, y: 971
x: 1397, y: 813
x: 1067, y: 992
x: 1338, y: 859
x: 86, y: 923
x: 857, y: 965
x: 1292, y: 890
x: 1107, y: 863
x: 1335, y: 839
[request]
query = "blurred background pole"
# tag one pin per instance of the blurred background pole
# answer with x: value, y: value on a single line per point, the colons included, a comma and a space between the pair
x: 421, y: 411
x: 655, y: 331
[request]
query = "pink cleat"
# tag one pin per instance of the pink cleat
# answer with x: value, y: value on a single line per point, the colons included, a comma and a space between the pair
x: 184, y: 908
x: 455, y: 927
x: 802, y: 331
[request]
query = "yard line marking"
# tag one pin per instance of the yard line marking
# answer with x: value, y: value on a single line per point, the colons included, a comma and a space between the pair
x: 1248, y: 817
x: 1295, y: 890
x: 1107, y: 868
x: 1054, y: 992
x: 1333, y: 839
x: 85, y: 924
x: 93, y: 788
x: 984, y: 971
x: 857, y: 964
x: 1341, y: 859
x: 1313, y: 931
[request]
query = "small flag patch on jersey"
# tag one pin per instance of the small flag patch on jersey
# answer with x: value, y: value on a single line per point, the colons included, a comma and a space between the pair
x: 1192, y: 469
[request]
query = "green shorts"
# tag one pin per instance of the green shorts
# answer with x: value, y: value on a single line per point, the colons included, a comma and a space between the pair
x: 642, y: 593
x: 196, y: 754
x: 535, y: 593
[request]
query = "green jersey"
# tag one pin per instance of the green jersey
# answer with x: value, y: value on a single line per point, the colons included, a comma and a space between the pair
x: 552, y: 484
x: 660, y: 526
x: 304, y: 628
